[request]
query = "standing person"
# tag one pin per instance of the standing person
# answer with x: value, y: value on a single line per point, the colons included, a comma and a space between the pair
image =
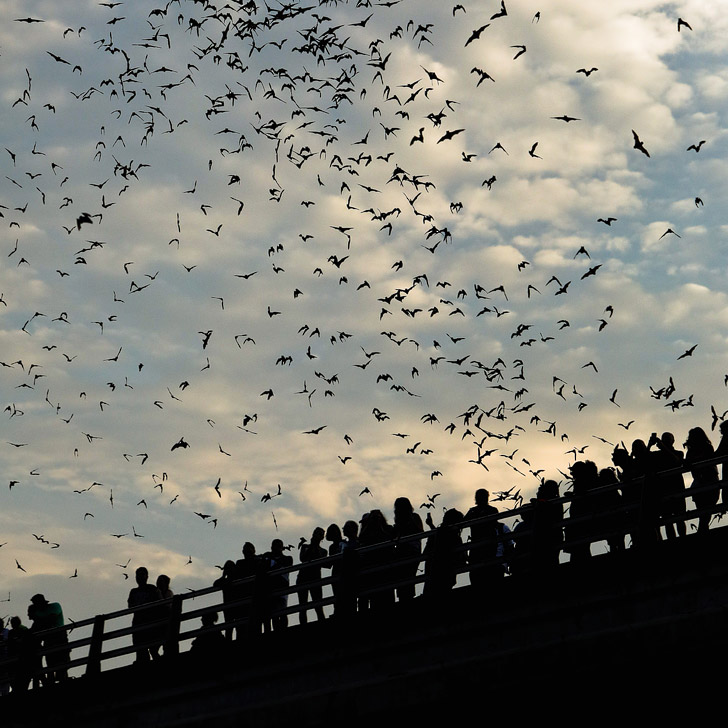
x: 249, y: 570
x: 49, y: 615
x: 4, y: 677
x: 336, y: 541
x: 522, y: 560
x: 225, y: 583
x: 483, y: 542
x: 444, y: 556
x: 23, y: 647
x: 547, y: 528
x: 649, y: 494
x: 348, y: 585
x: 308, y: 575
x: 700, y: 448
x: 671, y: 487
x: 143, y: 593
x: 406, y: 523
x: 163, y: 582
x: 376, y: 530
x: 722, y: 451
x: 611, y: 521
x: 276, y: 559
x: 580, y: 529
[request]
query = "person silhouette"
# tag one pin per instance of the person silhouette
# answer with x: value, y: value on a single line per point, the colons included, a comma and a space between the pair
x: 275, y: 603
x: 444, y: 556
x: 722, y: 451
x: 547, y: 526
x: 310, y: 574
x: 483, y: 543
x: 671, y: 487
x: 23, y: 647
x: 348, y: 583
x: 580, y: 528
x: 377, y: 563
x: 144, y: 593
x: 610, y: 517
x: 700, y: 448
x: 210, y: 645
x: 226, y: 583
x: 249, y: 569
x: 4, y: 676
x: 49, y: 615
x: 406, y: 523
x: 163, y: 584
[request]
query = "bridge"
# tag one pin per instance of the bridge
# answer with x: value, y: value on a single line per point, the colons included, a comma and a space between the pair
x: 635, y: 627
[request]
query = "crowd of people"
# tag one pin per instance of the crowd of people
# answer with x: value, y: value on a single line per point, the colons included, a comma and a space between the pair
x: 638, y: 500
x: 23, y: 644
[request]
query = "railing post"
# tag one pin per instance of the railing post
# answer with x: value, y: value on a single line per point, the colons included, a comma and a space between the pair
x: 93, y: 666
x: 171, y: 643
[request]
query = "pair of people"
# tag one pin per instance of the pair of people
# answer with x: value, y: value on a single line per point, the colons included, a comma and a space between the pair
x: 148, y: 639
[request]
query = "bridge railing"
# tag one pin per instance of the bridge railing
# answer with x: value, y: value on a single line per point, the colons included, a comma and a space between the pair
x: 106, y: 637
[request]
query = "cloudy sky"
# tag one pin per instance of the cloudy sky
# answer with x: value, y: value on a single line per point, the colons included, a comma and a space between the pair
x: 312, y: 248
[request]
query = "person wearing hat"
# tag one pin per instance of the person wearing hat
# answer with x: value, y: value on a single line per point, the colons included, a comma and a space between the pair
x: 47, y: 615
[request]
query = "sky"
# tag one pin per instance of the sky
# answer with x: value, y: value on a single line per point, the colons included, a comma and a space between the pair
x: 260, y: 258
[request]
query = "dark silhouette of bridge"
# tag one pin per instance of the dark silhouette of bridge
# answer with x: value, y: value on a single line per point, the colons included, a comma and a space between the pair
x: 632, y: 628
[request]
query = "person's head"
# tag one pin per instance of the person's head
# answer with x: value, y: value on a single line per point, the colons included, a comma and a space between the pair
x: 163, y: 582
x: 481, y: 497
x: 351, y: 530
x: 451, y: 517
x: 403, y: 507
x: 141, y: 575
x: 209, y: 619
x: 333, y: 533
x: 15, y: 622
x: 620, y: 457
x: 318, y: 535
x: 248, y: 550
x: 667, y: 439
x: 548, y: 489
x: 376, y: 519
x: 228, y: 568
x: 38, y: 600
x: 276, y: 547
x: 697, y: 438
x: 639, y: 449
